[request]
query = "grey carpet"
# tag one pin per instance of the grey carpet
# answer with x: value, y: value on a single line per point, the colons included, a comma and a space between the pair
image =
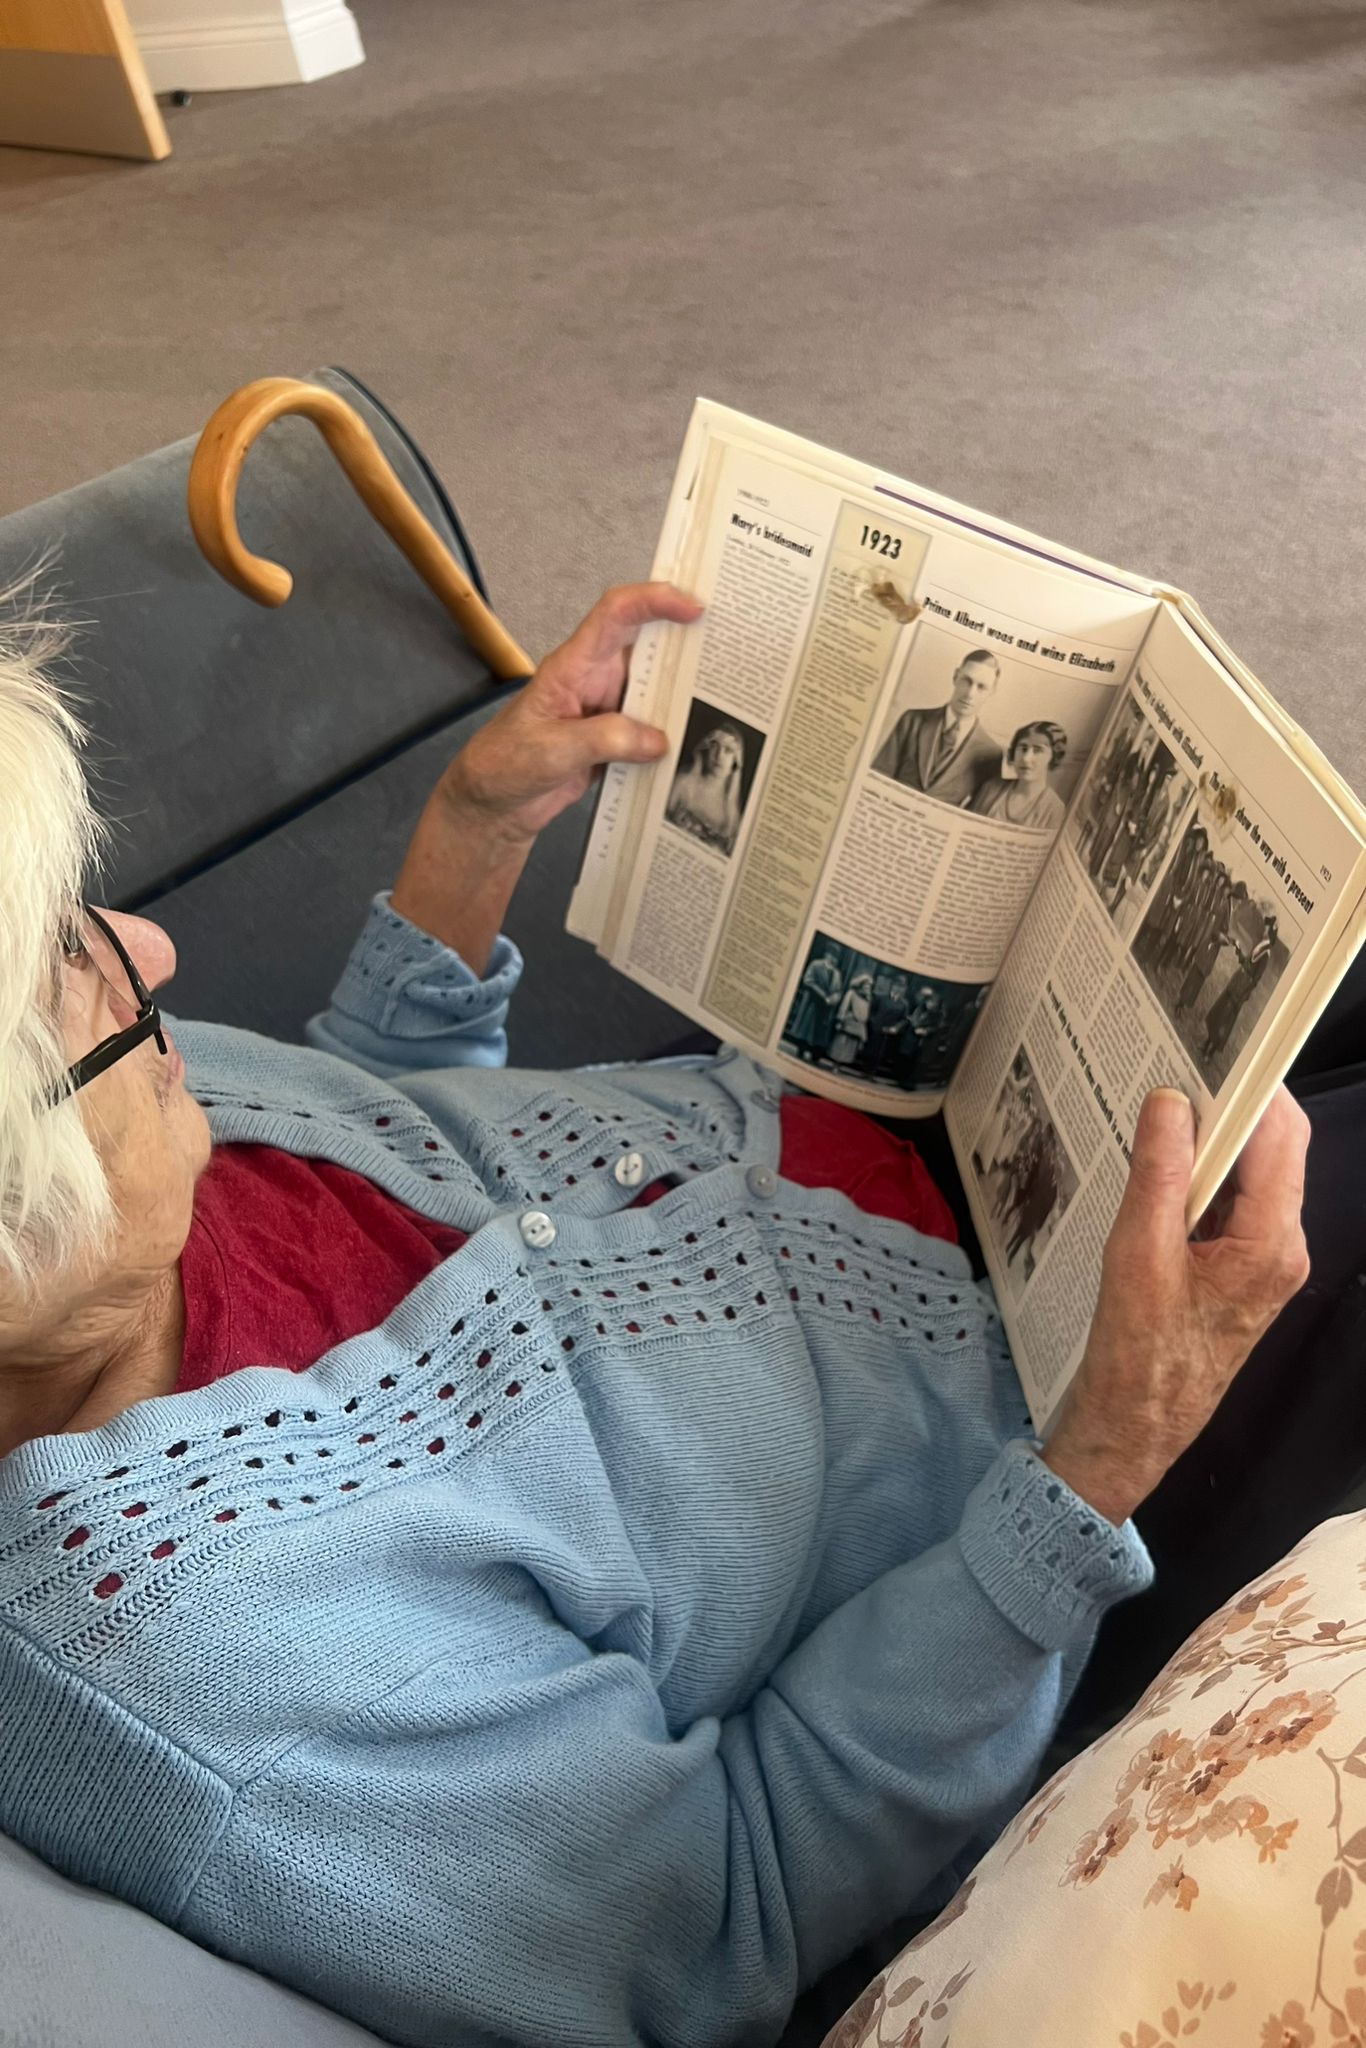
x: 1097, y: 265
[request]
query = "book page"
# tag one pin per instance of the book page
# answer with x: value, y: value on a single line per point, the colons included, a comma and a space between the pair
x: 874, y: 731
x: 1201, y: 898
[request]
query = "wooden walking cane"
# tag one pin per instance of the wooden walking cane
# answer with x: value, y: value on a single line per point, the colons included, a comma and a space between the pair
x: 218, y: 463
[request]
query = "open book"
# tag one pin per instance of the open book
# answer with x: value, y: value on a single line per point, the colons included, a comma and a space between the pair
x: 954, y: 818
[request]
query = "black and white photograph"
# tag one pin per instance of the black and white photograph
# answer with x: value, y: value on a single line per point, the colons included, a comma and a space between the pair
x: 717, y: 764
x: 863, y: 1018
x: 979, y: 728
x: 1024, y: 1171
x: 1213, y: 946
x: 1133, y: 803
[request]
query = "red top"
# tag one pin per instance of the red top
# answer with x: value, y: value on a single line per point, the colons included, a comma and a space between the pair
x: 287, y: 1257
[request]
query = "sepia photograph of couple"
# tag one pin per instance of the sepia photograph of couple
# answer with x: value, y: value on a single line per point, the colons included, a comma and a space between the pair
x: 972, y: 728
x: 867, y: 1019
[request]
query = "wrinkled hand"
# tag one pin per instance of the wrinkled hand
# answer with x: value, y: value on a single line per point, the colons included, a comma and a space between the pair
x: 1177, y: 1316
x: 539, y: 754
x: 532, y: 759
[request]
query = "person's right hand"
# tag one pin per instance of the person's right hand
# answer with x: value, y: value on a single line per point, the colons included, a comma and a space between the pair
x: 540, y: 752
x: 1177, y: 1316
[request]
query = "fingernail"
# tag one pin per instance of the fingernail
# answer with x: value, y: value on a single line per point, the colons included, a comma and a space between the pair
x: 1172, y: 1112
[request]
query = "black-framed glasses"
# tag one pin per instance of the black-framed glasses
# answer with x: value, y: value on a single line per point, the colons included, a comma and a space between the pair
x: 146, y: 1024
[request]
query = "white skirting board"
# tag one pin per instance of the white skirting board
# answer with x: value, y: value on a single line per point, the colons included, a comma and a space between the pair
x: 223, y: 45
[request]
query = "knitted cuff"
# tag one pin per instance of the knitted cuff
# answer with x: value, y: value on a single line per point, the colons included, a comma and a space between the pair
x: 1049, y: 1562
x: 405, y: 984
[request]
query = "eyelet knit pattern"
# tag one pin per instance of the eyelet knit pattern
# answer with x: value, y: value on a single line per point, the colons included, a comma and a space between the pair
x: 97, y: 1555
x: 553, y: 1150
x: 101, y: 1554
x: 498, y: 1140
x: 399, y: 978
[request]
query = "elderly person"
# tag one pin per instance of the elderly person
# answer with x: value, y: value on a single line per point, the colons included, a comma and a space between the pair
x: 1024, y: 797
x: 504, y: 1611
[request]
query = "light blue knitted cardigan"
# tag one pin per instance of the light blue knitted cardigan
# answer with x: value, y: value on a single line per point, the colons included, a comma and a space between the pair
x: 656, y: 1604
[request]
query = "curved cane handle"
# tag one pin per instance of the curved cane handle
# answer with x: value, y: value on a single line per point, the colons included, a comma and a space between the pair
x: 217, y: 465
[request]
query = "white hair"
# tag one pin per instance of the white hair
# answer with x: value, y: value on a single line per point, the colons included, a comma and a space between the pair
x: 55, y: 1203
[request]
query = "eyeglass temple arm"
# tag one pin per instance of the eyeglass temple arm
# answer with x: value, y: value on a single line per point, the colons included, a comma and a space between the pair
x: 148, y: 1007
x: 217, y: 465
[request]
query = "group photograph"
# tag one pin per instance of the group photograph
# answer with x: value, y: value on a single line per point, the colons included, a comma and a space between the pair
x: 869, y: 1020
x: 1128, y: 814
x: 1213, y: 947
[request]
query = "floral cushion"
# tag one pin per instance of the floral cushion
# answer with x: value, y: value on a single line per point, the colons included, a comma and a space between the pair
x: 1199, y: 1874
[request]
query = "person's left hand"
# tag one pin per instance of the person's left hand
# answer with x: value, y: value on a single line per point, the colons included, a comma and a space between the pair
x: 540, y: 752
